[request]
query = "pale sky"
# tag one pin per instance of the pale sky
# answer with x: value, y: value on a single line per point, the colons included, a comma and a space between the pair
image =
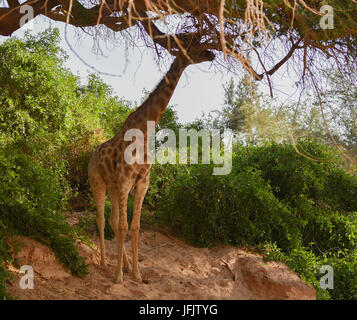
x: 199, y: 89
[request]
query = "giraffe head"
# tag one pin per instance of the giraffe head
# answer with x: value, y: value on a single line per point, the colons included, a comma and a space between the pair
x: 201, y: 56
x: 196, y: 56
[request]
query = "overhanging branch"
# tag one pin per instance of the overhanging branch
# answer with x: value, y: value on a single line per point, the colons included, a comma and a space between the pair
x: 228, y: 27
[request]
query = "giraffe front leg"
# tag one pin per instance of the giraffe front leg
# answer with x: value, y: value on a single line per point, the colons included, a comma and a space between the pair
x: 126, y: 266
x: 114, y: 223
x: 119, y: 272
x: 135, y: 239
x: 101, y: 224
x: 123, y: 229
x: 140, y: 191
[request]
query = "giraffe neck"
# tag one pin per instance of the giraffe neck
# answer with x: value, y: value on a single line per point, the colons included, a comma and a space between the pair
x: 154, y: 106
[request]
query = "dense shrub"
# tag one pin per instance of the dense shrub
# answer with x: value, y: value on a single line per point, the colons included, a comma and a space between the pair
x: 293, y: 175
x: 276, y: 197
x: 308, y: 264
x: 50, y: 124
x: 48, y: 228
x: 30, y: 202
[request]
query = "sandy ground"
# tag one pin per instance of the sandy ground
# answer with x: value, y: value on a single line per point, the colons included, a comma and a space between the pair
x: 172, y: 269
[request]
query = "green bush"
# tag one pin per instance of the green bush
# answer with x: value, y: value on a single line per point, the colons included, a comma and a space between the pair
x: 24, y: 180
x: 161, y: 178
x: 49, y: 228
x: 31, y: 199
x: 50, y: 123
x: 273, y: 197
x: 208, y: 209
x: 307, y: 263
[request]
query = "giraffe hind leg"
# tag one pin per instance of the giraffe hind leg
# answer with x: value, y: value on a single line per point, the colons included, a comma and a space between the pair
x: 98, y: 187
x: 140, y: 192
x: 114, y: 222
x: 121, y: 205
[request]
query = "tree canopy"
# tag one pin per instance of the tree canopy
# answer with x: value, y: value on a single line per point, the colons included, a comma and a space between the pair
x: 262, y: 35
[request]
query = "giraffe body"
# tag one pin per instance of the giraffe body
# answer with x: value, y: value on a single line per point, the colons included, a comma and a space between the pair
x: 108, y: 171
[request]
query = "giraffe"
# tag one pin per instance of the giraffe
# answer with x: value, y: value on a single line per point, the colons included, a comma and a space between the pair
x: 108, y: 170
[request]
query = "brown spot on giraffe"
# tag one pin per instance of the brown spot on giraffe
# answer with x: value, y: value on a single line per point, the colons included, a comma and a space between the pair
x: 134, y: 175
x: 108, y: 164
x: 115, y: 163
x: 128, y: 168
